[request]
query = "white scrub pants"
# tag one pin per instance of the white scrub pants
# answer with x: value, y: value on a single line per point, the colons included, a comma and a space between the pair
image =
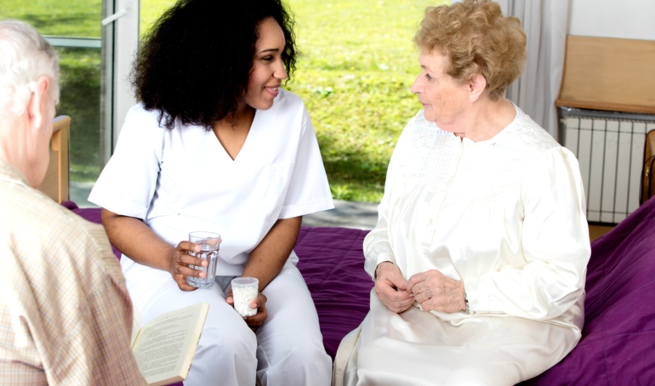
x: 286, y: 350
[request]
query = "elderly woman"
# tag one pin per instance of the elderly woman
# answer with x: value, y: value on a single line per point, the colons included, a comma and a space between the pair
x: 481, y: 245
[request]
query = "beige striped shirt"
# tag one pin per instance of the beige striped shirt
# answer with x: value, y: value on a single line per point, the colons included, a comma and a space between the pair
x: 65, y: 314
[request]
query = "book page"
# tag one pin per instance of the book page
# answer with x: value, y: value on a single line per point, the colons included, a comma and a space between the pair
x: 165, y: 346
x: 136, y: 324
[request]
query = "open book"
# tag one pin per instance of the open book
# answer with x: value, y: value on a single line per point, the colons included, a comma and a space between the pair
x: 165, y: 346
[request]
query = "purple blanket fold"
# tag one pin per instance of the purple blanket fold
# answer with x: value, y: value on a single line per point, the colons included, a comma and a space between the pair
x: 332, y: 263
x: 618, y: 339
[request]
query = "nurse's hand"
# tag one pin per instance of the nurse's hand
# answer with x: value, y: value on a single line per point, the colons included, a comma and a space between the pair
x: 435, y: 291
x: 180, y: 262
x: 391, y: 287
x: 258, y: 319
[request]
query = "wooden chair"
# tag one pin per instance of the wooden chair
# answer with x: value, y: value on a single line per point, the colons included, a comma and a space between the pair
x: 55, y: 183
x: 648, y: 171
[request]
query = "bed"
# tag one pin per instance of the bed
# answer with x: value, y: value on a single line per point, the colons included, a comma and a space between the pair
x: 619, y: 335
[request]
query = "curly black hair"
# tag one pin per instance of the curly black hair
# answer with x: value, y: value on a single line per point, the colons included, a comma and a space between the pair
x: 194, y: 64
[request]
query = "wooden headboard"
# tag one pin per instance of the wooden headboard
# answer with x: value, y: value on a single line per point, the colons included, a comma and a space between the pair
x: 55, y: 183
x: 609, y: 74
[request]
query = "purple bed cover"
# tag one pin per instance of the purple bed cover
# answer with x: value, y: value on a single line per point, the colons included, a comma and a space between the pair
x: 618, y: 340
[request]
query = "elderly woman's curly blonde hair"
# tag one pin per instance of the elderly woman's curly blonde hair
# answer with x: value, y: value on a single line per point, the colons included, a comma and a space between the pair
x: 477, y: 39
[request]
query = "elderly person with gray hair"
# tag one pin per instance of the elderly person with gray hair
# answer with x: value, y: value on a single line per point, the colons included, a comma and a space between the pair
x: 480, y: 250
x: 65, y: 313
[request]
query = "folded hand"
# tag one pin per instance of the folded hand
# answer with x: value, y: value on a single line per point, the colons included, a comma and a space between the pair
x: 390, y: 287
x: 435, y: 291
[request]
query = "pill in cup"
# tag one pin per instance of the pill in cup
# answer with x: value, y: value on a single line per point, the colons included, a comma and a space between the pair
x: 244, y: 292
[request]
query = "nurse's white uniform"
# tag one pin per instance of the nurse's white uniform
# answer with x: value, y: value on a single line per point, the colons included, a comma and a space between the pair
x: 507, y: 217
x: 183, y: 180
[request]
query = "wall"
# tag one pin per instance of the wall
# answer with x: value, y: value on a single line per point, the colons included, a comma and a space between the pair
x: 627, y: 19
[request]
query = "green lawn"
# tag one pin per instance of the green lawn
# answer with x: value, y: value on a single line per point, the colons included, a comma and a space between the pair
x: 358, y: 61
x: 357, y: 65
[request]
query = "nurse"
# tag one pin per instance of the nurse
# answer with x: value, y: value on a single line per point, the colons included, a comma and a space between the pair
x: 216, y: 144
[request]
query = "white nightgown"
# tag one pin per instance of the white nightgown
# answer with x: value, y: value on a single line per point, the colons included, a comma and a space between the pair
x: 507, y: 217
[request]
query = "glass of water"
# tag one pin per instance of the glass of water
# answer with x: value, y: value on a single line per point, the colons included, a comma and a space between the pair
x: 209, y: 243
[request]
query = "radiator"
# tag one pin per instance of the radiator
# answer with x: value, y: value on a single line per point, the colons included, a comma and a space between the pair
x: 610, y: 149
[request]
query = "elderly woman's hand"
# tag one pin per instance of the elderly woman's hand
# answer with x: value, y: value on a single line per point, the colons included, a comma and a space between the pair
x: 435, y: 291
x: 391, y: 287
x: 181, y: 262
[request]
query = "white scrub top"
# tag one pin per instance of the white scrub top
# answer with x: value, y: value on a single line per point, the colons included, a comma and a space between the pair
x: 182, y: 180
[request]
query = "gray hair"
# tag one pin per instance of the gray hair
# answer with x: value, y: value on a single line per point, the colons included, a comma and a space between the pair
x: 24, y: 57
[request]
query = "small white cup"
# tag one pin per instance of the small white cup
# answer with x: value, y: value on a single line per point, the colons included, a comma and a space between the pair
x: 244, y: 292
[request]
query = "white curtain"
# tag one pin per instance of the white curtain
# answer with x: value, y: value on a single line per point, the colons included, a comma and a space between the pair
x: 546, y: 25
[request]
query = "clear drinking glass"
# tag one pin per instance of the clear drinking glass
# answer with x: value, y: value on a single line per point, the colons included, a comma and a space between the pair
x: 209, y: 243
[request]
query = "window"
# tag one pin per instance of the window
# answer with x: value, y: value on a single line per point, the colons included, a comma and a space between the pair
x: 73, y: 28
